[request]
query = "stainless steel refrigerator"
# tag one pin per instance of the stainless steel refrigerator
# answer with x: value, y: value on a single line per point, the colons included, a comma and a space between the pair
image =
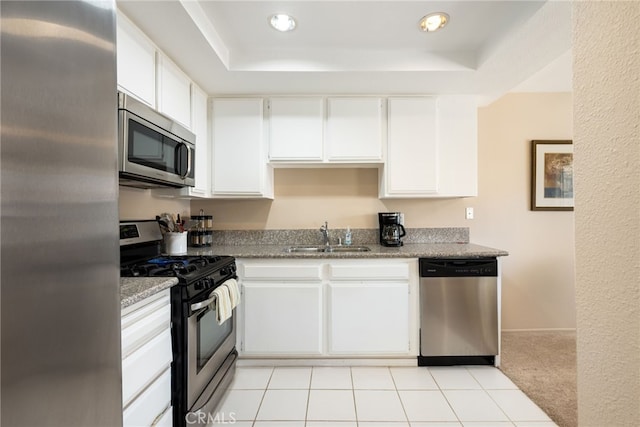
x: 60, y: 306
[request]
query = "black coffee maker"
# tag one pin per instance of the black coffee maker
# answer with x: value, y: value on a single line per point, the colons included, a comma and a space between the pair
x: 391, y: 229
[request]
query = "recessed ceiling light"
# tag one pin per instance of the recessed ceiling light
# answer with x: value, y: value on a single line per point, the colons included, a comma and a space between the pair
x: 433, y: 21
x: 282, y: 22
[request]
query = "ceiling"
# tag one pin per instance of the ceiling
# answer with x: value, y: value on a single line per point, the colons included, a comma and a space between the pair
x: 363, y: 47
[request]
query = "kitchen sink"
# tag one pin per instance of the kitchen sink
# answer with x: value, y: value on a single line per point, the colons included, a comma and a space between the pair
x: 349, y: 249
x: 336, y: 248
x: 304, y: 249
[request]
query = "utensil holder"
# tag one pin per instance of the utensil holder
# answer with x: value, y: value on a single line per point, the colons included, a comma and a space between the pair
x: 175, y: 243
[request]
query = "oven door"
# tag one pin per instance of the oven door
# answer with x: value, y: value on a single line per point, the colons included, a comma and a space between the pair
x: 209, y: 344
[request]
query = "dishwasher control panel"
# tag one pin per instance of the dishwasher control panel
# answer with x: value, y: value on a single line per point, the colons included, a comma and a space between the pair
x: 452, y: 267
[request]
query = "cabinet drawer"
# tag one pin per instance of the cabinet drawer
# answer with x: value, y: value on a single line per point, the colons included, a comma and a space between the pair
x: 143, y: 308
x: 142, y: 331
x: 151, y: 404
x: 144, y: 365
x: 369, y: 271
x: 283, y: 272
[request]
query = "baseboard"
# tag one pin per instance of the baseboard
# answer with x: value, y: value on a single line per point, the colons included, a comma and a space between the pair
x: 541, y: 330
x: 267, y: 361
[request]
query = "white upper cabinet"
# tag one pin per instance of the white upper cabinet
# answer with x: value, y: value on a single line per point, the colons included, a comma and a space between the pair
x: 412, y: 156
x: 240, y: 167
x: 136, y: 59
x: 174, y: 91
x: 201, y: 129
x: 350, y: 131
x: 431, y: 147
x: 296, y: 129
x: 458, y: 145
x: 353, y: 131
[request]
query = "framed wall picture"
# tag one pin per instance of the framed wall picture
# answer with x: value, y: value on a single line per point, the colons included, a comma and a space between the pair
x: 552, y: 176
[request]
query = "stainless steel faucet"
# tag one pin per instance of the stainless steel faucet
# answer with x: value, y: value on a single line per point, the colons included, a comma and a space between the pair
x: 324, y: 229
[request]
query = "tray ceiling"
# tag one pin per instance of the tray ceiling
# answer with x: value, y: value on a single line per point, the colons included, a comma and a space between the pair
x: 362, y: 47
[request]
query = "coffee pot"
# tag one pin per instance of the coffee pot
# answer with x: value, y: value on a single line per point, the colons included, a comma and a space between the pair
x: 391, y: 228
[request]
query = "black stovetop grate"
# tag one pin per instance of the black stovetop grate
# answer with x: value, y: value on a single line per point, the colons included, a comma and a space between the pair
x: 183, y: 267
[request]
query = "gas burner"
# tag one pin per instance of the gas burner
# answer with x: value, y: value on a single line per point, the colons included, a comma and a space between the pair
x: 187, y: 261
x: 184, y: 267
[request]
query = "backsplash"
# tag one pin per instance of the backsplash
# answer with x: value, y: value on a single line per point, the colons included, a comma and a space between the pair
x: 360, y: 236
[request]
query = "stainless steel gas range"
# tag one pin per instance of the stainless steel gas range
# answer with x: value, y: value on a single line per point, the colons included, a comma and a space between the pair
x: 204, y: 353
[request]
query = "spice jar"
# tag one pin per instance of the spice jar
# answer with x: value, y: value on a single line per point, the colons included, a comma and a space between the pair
x: 196, y: 238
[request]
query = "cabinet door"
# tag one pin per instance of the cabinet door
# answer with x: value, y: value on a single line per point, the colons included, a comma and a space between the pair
x: 369, y: 317
x: 239, y: 161
x: 200, y: 128
x: 412, y: 150
x: 354, y: 129
x: 282, y: 318
x: 174, y: 91
x: 136, y: 59
x: 295, y: 129
x: 458, y: 146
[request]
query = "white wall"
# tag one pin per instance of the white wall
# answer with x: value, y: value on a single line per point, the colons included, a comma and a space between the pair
x: 538, y: 285
x: 606, y: 52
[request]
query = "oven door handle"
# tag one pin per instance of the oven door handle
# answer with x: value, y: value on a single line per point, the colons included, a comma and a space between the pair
x: 202, y: 304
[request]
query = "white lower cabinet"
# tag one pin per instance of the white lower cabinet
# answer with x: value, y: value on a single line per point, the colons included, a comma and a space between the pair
x: 165, y: 419
x: 146, y: 361
x: 369, y: 318
x: 328, y: 308
x: 282, y: 318
x: 151, y: 405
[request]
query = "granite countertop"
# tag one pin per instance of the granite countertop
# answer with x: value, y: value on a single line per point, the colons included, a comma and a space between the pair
x: 134, y: 289
x: 450, y: 242
x: 272, y: 244
x: 412, y: 250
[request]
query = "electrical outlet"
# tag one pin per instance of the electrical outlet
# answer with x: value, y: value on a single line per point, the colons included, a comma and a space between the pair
x: 468, y: 213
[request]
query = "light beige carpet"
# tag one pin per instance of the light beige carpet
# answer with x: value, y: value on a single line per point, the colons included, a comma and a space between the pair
x: 543, y: 366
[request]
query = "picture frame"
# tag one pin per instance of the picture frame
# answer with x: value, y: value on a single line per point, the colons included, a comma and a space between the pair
x: 552, y: 175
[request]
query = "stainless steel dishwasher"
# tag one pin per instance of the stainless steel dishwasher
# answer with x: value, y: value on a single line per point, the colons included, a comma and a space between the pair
x: 458, y: 311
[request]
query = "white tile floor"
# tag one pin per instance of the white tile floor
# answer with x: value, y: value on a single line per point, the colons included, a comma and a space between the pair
x: 377, y: 397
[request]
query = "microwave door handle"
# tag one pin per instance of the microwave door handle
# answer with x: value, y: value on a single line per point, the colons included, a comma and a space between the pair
x: 181, y: 150
x: 189, y: 155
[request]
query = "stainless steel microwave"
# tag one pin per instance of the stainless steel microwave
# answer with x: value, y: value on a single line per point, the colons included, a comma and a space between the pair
x: 153, y: 150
